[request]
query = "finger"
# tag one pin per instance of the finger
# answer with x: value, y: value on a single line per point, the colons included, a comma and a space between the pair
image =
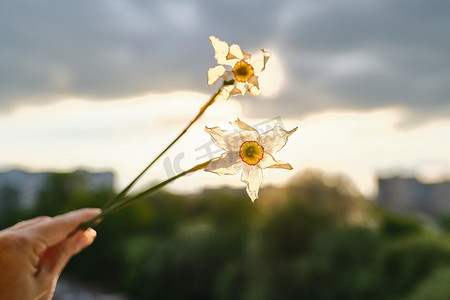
x: 54, y: 260
x: 28, y: 223
x: 55, y: 230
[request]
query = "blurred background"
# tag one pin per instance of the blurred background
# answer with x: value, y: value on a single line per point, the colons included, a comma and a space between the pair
x: 91, y: 91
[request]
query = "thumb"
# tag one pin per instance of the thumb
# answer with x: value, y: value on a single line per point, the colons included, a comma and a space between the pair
x: 55, y: 258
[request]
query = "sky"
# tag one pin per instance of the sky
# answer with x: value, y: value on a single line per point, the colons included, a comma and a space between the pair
x: 106, y: 84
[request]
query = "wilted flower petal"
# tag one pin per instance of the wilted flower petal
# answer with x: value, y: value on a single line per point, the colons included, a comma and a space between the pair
x: 247, y: 132
x: 242, y: 125
x: 226, y: 91
x: 253, y: 177
x: 221, y: 50
x: 275, y: 139
x: 229, y: 163
x: 235, y: 52
x: 249, y: 151
x: 253, y: 86
x: 260, y: 65
x: 281, y: 165
x: 233, y: 90
x: 249, y: 136
x: 214, y: 74
x: 267, y: 161
x: 240, y: 87
x: 228, y: 140
x: 253, y: 90
x: 243, y: 71
x: 253, y: 81
x: 270, y: 162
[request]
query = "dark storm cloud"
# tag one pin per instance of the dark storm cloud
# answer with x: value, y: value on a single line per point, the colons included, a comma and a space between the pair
x: 336, y: 54
x: 96, y: 49
x: 367, y: 54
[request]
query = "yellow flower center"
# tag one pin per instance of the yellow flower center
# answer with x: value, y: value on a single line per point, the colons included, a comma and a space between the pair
x: 242, y: 71
x: 251, y: 152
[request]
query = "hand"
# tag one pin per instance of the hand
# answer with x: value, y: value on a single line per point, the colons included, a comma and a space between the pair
x: 33, y: 253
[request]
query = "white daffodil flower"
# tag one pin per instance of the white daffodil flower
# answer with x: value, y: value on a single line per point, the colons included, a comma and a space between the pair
x: 243, y: 71
x: 249, y: 151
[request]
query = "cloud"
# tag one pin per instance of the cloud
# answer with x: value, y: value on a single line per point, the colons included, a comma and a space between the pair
x: 126, y: 134
x: 370, y: 54
x: 335, y: 54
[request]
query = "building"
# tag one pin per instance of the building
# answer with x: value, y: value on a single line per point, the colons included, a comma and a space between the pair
x: 25, y: 186
x: 409, y: 195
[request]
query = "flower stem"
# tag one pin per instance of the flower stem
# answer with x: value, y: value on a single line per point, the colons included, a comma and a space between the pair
x: 124, y: 202
x: 124, y: 192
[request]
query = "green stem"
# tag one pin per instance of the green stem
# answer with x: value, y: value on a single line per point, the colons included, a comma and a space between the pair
x: 127, y: 201
x: 124, y: 192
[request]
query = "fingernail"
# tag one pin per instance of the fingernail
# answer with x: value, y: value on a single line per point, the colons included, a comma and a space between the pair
x: 86, y: 239
x: 95, y: 210
x: 91, y: 233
